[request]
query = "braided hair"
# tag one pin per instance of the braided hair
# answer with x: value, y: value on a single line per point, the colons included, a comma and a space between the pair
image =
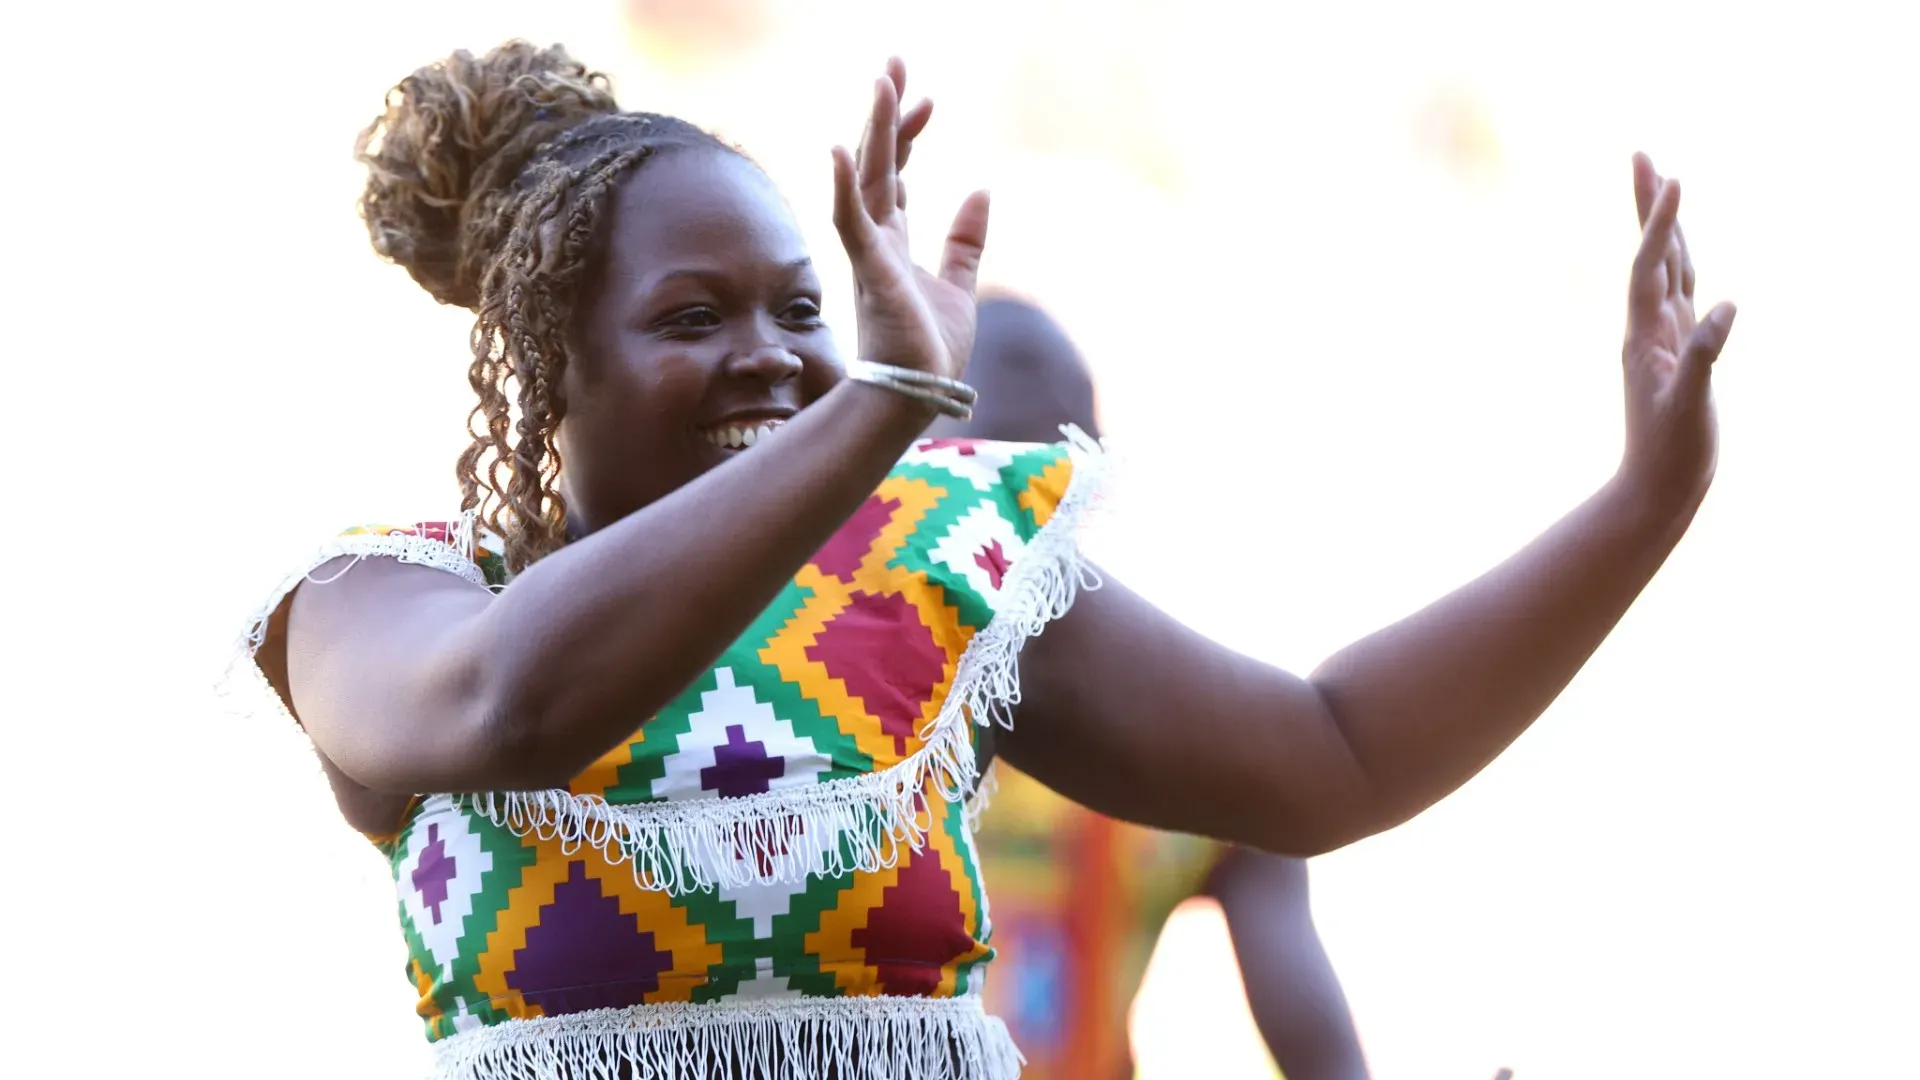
x: 488, y: 179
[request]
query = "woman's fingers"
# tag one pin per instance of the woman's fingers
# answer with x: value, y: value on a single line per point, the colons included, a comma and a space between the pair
x: 1647, y: 287
x: 912, y: 123
x: 850, y: 217
x: 1686, y: 262
x: 878, y: 174
x: 1705, y: 342
x: 877, y: 164
x: 1646, y: 184
x: 966, y: 243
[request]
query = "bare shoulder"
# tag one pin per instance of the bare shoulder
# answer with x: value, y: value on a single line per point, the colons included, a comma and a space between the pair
x: 372, y: 599
x: 361, y: 650
x: 351, y: 599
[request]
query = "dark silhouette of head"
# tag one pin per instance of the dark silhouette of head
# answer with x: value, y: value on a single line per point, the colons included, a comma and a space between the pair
x: 1030, y: 377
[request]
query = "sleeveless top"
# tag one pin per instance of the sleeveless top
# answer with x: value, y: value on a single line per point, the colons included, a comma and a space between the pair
x: 775, y: 876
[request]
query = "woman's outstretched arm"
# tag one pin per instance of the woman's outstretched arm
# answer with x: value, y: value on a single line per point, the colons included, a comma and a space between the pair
x: 1134, y: 714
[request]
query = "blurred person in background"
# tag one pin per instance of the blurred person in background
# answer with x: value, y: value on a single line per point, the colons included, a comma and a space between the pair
x: 667, y: 736
x: 1079, y: 898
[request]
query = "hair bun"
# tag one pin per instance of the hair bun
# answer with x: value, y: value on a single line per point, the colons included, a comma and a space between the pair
x: 454, y: 136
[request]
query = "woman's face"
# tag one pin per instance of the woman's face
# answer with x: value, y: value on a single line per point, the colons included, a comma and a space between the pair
x: 698, y: 336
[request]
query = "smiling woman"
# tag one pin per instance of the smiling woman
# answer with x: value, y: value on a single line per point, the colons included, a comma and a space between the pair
x: 790, y: 815
x: 704, y: 273
x: 683, y: 262
x: 672, y: 746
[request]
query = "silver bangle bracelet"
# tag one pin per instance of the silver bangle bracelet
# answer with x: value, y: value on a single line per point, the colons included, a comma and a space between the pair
x: 939, y: 384
x: 950, y: 396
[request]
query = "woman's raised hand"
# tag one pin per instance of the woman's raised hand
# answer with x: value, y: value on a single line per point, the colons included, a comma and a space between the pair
x: 1672, y: 436
x: 907, y: 317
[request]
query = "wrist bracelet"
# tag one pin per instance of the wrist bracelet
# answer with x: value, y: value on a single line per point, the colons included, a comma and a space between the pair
x: 940, y: 384
x: 950, y: 396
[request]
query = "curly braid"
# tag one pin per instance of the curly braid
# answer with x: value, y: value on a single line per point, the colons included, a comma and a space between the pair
x: 488, y: 180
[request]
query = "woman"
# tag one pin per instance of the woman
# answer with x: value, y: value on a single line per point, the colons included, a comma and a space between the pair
x: 700, y: 717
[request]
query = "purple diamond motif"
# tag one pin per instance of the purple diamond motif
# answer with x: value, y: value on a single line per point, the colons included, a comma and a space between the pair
x: 436, y: 869
x: 585, y: 954
x: 741, y: 767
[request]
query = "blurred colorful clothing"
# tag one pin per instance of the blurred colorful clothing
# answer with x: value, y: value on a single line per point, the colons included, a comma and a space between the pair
x: 1078, y: 902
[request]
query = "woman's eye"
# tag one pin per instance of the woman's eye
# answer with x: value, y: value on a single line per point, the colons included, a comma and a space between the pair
x: 691, y: 319
x: 804, y: 311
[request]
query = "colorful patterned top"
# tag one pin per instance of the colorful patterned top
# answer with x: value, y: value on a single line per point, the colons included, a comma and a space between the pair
x: 776, y: 873
x: 1079, y: 902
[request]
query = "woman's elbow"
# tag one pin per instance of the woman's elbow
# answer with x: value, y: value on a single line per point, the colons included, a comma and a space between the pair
x: 1311, y: 824
x: 510, y: 741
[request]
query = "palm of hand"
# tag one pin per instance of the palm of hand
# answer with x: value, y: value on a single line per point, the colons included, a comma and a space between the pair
x: 901, y: 307
x: 907, y: 316
x: 954, y: 312
x: 1672, y: 435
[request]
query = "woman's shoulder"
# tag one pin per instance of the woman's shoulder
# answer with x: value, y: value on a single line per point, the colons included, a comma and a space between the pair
x: 459, y: 545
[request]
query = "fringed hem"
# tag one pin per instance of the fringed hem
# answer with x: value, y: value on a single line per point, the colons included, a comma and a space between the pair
x: 680, y: 846
x: 799, y: 1039
x: 982, y: 797
x: 693, y: 845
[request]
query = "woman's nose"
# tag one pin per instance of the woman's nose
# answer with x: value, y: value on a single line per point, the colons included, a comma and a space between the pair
x: 769, y: 363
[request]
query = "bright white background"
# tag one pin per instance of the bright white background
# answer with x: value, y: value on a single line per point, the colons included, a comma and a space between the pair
x: 1352, y: 284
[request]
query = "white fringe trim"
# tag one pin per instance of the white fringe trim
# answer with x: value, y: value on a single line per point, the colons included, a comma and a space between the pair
x: 243, y: 679
x: 782, y: 836
x: 455, y: 557
x: 983, y: 793
x: 797, y: 1039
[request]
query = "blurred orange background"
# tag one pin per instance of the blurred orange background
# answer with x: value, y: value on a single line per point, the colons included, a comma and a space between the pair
x: 1351, y: 280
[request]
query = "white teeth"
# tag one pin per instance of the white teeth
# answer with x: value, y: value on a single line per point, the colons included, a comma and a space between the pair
x: 740, y: 438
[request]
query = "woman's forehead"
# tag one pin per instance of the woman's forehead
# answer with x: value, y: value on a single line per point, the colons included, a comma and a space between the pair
x: 710, y: 208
